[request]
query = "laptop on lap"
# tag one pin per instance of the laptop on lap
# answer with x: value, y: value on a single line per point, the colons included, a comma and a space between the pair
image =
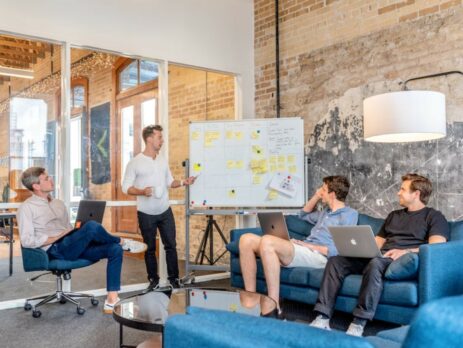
x: 88, y: 211
x: 355, y: 241
x: 273, y: 224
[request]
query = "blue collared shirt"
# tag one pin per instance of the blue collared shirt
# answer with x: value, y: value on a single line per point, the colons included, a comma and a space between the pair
x: 322, y: 219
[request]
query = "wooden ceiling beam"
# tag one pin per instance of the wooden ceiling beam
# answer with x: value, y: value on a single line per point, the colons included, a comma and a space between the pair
x: 25, y: 60
x: 15, y: 51
x: 14, y: 63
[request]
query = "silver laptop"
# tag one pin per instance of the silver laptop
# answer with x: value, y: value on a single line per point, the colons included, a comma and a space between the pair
x: 273, y: 224
x: 355, y: 241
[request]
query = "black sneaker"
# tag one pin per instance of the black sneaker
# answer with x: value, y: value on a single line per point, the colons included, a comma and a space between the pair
x: 175, y: 284
x: 154, y: 284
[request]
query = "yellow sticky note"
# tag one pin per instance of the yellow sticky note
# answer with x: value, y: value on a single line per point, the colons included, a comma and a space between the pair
x: 232, y: 193
x: 273, y: 159
x: 197, y: 167
x: 230, y: 164
x: 257, y: 150
x: 195, y: 135
x: 281, y: 159
x: 239, y: 164
x: 292, y: 169
x: 259, y: 166
x: 229, y: 135
x: 272, y: 195
x: 256, y: 179
x: 291, y: 159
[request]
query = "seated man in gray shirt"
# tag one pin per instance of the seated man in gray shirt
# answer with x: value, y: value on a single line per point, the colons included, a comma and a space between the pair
x: 312, y: 252
x: 44, y: 223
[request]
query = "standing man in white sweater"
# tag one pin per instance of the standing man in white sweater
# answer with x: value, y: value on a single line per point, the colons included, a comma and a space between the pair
x: 148, y: 177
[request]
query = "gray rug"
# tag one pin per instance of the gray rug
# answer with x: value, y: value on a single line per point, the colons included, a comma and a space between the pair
x: 88, y: 278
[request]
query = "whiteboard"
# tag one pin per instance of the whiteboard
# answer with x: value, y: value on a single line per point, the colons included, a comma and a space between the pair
x: 247, y: 163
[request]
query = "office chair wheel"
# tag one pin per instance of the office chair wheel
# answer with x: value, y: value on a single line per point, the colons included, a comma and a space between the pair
x: 94, y: 301
x: 36, y: 313
x: 80, y: 310
x: 27, y: 306
x: 63, y: 301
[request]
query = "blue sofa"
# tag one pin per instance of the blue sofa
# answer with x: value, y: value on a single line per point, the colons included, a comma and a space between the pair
x: 440, y: 274
x: 437, y: 324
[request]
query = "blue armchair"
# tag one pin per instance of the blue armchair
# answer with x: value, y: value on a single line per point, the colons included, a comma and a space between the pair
x: 440, y: 274
x: 37, y: 260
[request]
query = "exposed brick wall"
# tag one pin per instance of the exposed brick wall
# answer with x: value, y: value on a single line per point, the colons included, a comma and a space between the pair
x: 325, y: 83
x: 195, y: 95
x: 307, y: 25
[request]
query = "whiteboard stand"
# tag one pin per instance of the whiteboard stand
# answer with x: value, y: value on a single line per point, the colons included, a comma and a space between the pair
x: 209, y: 236
x: 190, y: 268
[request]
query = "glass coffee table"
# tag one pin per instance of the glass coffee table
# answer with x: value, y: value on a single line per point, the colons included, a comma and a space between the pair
x: 149, y: 311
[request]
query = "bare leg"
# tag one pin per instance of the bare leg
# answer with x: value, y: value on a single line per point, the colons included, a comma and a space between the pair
x: 274, y: 252
x: 111, y: 297
x: 249, y: 248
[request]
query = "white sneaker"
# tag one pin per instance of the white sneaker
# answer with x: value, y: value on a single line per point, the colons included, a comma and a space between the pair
x: 321, y: 323
x: 355, y: 330
x: 109, y: 307
x: 133, y: 246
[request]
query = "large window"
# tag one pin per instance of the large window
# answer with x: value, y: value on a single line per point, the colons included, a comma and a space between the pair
x: 29, y: 111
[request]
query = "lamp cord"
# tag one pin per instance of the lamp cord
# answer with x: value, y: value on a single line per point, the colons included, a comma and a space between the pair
x: 429, y: 76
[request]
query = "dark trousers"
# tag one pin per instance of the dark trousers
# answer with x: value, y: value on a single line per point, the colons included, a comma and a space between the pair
x: 149, y: 224
x: 92, y: 242
x: 337, y: 269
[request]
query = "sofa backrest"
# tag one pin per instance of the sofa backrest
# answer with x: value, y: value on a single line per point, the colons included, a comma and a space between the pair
x: 375, y: 223
x: 456, y: 230
x: 300, y: 229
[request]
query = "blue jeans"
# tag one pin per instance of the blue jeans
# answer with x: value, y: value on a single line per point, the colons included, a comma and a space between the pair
x: 92, y: 242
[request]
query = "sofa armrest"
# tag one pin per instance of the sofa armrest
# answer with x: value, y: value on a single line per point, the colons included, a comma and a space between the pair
x: 441, y: 272
x: 235, y: 234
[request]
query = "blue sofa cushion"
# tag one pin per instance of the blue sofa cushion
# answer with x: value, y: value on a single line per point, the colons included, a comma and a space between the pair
x: 396, y: 335
x: 405, y: 267
x: 298, y: 275
x: 456, y: 230
x: 396, y: 293
x: 298, y: 228
x: 233, y: 247
x: 375, y: 223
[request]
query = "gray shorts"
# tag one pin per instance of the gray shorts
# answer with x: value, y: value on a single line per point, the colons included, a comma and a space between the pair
x: 305, y: 257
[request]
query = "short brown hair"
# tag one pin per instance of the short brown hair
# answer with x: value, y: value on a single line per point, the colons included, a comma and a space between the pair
x: 339, y: 185
x: 419, y: 183
x: 149, y: 130
x: 31, y: 176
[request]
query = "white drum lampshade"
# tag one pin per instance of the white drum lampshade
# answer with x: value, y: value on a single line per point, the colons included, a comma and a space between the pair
x: 404, y: 116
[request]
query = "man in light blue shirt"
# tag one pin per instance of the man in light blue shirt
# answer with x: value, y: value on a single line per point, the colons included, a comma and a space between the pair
x: 312, y: 252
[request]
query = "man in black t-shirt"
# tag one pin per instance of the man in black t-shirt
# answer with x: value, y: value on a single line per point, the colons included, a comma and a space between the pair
x: 402, y: 232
